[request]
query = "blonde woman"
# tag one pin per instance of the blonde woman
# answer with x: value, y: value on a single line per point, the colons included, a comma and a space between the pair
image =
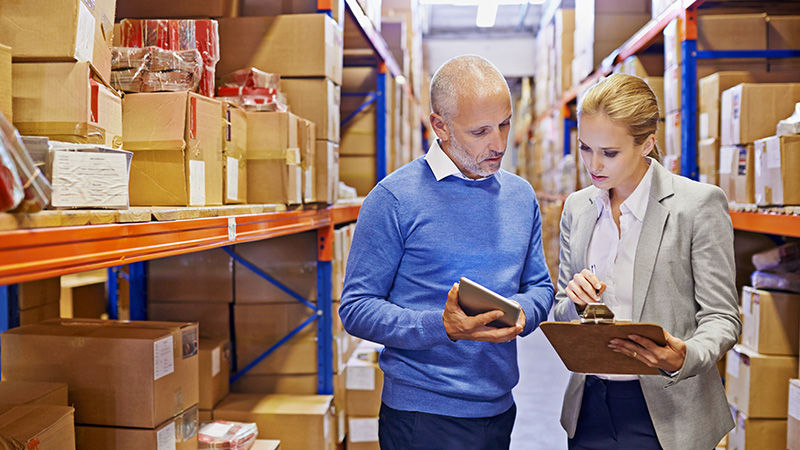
x: 661, y: 247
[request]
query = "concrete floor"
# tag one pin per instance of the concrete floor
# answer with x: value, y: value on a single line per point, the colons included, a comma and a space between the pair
x: 538, y: 395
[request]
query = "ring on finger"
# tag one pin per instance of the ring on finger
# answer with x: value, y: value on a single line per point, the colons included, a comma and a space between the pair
x: 634, y: 354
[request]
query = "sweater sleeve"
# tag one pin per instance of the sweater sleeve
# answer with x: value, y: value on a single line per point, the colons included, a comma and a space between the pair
x: 536, y: 289
x: 375, y: 254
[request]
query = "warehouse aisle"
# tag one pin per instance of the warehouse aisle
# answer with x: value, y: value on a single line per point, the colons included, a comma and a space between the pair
x: 538, y: 395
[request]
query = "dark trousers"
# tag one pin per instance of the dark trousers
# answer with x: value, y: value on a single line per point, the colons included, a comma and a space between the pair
x: 614, y: 415
x: 406, y: 430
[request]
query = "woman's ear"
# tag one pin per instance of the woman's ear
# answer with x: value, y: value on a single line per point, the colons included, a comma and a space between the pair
x: 649, y: 145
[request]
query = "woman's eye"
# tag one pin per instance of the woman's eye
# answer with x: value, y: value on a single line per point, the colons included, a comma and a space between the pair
x: 610, y: 154
x: 585, y: 148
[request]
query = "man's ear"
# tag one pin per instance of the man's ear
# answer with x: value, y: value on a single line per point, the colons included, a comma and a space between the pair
x: 440, y: 127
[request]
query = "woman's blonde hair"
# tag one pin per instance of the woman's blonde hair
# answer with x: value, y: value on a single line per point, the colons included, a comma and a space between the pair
x: 628, y: 101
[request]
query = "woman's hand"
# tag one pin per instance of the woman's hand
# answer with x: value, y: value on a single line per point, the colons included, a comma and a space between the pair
x: 584, y: 288
x: 668, y: 358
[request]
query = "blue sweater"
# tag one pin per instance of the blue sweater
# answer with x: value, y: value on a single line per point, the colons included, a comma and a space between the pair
x: 414, y: 238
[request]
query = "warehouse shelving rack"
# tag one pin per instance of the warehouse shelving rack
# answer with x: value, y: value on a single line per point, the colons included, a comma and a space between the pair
x: 761, y: 222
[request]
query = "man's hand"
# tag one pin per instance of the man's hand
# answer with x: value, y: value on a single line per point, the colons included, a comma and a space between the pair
x: 460, y: 326
x: 669, y: 357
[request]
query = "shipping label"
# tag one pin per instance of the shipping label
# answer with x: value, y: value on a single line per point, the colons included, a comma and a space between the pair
x: 164, y: 363
x: 189, y: 342
x: 215, y: 361
x: 363, y: 430
x: 794, y: 401
x: 166, y: 437
x: 360, y: 378
x: 84, y: 40
x: 197, y: 183
x: 232, y: 177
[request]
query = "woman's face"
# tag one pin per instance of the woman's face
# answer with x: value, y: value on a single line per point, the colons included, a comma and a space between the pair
x: 609, y: 153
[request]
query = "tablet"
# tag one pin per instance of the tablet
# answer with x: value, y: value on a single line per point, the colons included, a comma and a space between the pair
x: 476, y: 299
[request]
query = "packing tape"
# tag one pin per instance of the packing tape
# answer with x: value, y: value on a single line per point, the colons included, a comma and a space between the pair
x: 291, y: 155
x: 178, y: 144
x: 77, y: 132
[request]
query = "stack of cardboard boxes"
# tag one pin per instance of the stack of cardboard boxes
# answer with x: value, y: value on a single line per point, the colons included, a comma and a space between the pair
x: 758, y: 370
x: 37, y: 415
x: 364, y: 386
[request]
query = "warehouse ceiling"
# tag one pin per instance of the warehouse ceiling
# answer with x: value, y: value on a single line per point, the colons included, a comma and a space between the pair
x: 447, y: 20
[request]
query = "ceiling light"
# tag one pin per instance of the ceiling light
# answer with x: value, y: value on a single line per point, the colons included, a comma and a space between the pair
x: 487, y: 13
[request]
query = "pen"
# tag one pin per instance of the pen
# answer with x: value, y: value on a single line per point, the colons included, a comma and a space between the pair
x: 593, y: 268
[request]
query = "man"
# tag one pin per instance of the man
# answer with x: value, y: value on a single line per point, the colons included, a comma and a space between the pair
x: 448, y: 376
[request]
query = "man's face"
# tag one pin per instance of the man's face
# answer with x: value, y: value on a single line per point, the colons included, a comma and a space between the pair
x: 478, y: 133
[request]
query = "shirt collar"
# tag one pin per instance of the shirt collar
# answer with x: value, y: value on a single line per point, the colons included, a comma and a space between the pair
x: 636, y: 203
x: 441, y: 165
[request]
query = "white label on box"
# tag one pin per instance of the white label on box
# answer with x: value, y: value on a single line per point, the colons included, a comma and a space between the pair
x: 755, y: 306
x: 342, y: 422
x: 216, y: 354
x: 216, y: 429
x: 773, y: 153
x: 704, y: 126
x: 197, y: 183
x: 360, y: 378
x: 166, y: 437
x: 163, y: 363
x: 232, y: 177
x: 363, y: 430
x: 794, y: 401
x: 84, y: 40
x: 726, y: 159
x: 759, y: 158
x: 733, y: 364
x: 703, y: 178
x: 89, y: 179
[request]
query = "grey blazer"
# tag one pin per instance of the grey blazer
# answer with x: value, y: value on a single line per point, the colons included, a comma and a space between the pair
x: 684, y: 280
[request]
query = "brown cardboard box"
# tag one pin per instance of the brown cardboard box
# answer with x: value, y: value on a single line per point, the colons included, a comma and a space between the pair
x: 708, y: 160
x: 273, y: 44
x: 306, y: 132
x: 213, y: 318
x: 777, y: 160
x: 205, y: 415
x: 672, y: 134
x: 793, y: 422
x: 362, y: 433
x: 33, y: 392
x: 298, y: 421
x: 63, y: 102
x: 644, y: 65
x: 179, y: 433
x: 771, y: 321
x: 155, y: 367
x: 60, y: 30
x: 316, y: 99
x: 234, y: 152
x: 39, y: 313
x: 756, y: 434
x: 176, y: 138
x: 31, y: 294
x: 718, y: 32
x: 736, y: 172
x: 710, y: 89
x: 38, y: 426
x: 84, y: 294
x: 5, y: 82
x: 358, y: 172
x: 750, y: 111
x: 657, y: 85
x: 783, y: 32
x: 756, y: 383
x: 258, y: 327
x: 364, y: 384
x: 205, y: 277
x: 290, y: 259
x: 175, y: 9
x: 307, y: 384
x: 273, y: 8
x: 326, y: 171
x: 215, y: 368
x: 274, y: 174
x: 564, y: 28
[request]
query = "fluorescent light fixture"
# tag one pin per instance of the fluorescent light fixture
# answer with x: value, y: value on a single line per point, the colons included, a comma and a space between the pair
x: 479, y: 2
x: 487, y: 13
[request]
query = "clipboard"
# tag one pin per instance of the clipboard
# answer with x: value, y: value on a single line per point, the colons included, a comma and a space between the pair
x: 582, y: 345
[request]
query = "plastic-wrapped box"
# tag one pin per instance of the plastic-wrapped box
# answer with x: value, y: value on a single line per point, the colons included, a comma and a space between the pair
x: 253, y: 78
x: 254, y: 99
x: 23, y: 187
x: 784, y: 258
x: 783, y: 281
x: 222, y: 434
x: 153, y: 69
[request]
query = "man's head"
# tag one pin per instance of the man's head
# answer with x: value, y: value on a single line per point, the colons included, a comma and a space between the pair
x: 471, y: 114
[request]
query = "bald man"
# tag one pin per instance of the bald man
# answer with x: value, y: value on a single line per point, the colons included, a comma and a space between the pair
x: 448, y: 376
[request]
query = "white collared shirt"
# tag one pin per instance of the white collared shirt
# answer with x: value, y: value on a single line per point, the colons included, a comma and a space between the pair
x: 613, y: 252
x: 442, y: 166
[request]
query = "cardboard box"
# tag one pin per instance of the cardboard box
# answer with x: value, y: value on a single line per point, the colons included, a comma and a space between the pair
x: 39, y: 313
x: 751, y: 111
x: 290, y: 259
x: 213, y: 318
x: 274, y: 174
x: 304, y: 384
x: 326, y: 171
x: 154, y: 375
x: 793, y: 422
x: 364, y: 384
x: 358, y: 172
x: 176, y: 9
x: 318, y: 100
x: 266, y: 444
x: 564, y: 28
x: 60, y: 30
x: 777, y: 160
x: 176, y: 138
x: 31, y: 294
x: 718, y: 32
x: 88, y: 176
x: 657, y: 85
x: 205, y: 415
x: 298, y: 421
x: 753, y: 434
x: 179, y: 433
x: 234, y: 154
x: 756, y: 383
x: 256, y: 8
x: 5, y: 82
x: 204, y: 277
x: 362, y: 433
x: 672, y: 134
x: 736, y: 172
x: 771, y: 321
x: 33, y: 392
x: 306, y: 132
x: 783, y: 32
x: 84, y: 294
x: 38, y: 426
x: 63, y: 102
x: 215, y: 369
x: 710, y: 89
x: 273, y: 44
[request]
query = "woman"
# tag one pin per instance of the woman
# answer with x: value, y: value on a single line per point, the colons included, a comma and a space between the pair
x: 656, y: 247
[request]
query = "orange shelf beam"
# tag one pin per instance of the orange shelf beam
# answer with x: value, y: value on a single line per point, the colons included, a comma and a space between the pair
x: 762, y: 222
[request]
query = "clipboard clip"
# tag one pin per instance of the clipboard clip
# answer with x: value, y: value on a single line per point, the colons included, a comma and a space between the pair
x: 597, y: 313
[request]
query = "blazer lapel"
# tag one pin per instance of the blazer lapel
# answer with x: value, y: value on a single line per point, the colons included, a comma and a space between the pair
x: 650, y: 238
x: 587, y: 218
